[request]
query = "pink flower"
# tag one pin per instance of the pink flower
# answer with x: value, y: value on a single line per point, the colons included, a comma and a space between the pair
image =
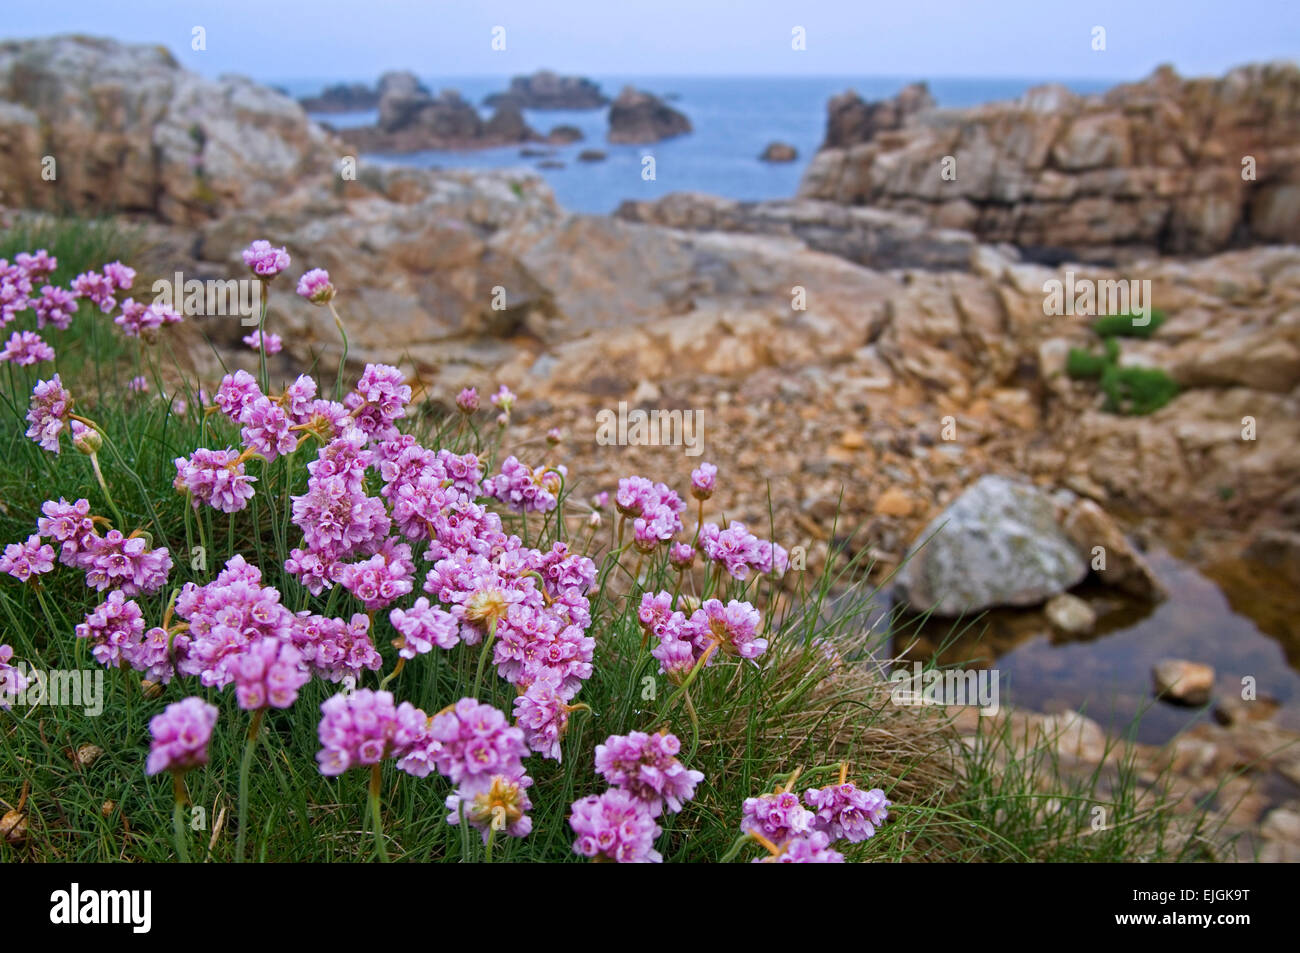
x: 236, y: 392
x: 467, y: 400
x: 119, y: 276
x: 26, y: 348
x: 365, y: 727
x: 48, y: 413
x: 379, y: 580
x: 733, y: 626
x: 37, y: 264
x: 114, y: 628
x: 214, y: 477
x: 474, y: 742
x: 55, y: 306
x: 704, y: 479
x: 503, y: 399
x: 266, y: 429
x: 268, y: 673
x: 422, y: 627
x: 69, y: 524
x: 543, y: 714
x: 97, y: 288
x: 615, y: 826
x: 265, y: 260
x: 24, y: 560
x: 138, y: 384
x: 846, y: 812
x: 122, y: 562
x: 776, y: 817
x: 274, y: 345
x: 811, y: 848
x: 315, y: 286
x: 12, y: 680
x: 646, y: 766
x: 181, y: 735
x: 336, y: 649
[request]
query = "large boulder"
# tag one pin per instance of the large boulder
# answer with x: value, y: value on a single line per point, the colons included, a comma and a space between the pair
x: 342, y: 98
x: 129, y: 130
x: 998, y: 544
x: 547, y: 90
x: 412, y: 119
x: 637, y: 117
x: 1167, y: 164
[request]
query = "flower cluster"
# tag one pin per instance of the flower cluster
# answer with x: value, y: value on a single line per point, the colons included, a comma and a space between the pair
x: 481, y: 753
x: 111, y: 561
x: 180, y: 736
x: 524, y: 489
x: 801, y: 832
x: 686, y: 642
x: 739, y: 551
x: 646, y: 778
x: 364, y: 727
x: 12, y: 680
x: 655, y: 510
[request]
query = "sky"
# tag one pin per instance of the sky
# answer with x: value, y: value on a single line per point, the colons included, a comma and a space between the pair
x: 358, y: 39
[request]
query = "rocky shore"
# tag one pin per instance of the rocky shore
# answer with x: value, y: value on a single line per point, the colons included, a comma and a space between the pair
x: 865, y: 352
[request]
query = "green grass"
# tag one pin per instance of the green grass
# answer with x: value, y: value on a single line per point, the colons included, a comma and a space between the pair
x: 1128, y: 326
x: 803, y: 709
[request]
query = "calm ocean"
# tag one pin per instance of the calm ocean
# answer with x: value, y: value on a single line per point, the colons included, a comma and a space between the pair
x: 733, y: 117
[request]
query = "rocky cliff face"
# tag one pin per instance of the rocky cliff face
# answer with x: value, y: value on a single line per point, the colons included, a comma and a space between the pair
x: 1168, y: 164
x: 124, y: 128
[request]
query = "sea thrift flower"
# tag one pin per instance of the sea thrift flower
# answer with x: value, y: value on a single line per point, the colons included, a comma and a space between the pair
x: 499, y: 801
x: 119, y: 275
x: 467, y: 400
x: 236, y: 392
x: 704, y: 480
x: 96, y: 288
x: 475, y: 742
x: 138, y: 384
x: 315, y: 286
x: 654, y: 503
x: 215, y: 478
x: 380, y: 398
x: 811, y: 848
x: 180, y: 736
x: 362, y: 728
x: 335, y: 649
x: 646, y: 766
x: 734, y: 627
x: 54, y: 306
x: 266, y: 429
x: 69, y: 524
x: 554, y: 436
x: 265, y: 260
x: 274, y: 344
x: 25, y: 348
x: 114, y: 628
x: 422, y: 627
x: 740, y: 551
x: 846, y: 812
x: 268, y: 673
x: 524, y: 489
x: 681, y: 555
x: 776, y: 817
x: 503, y: 399
x: 377, y: 581
x: 24, y: 560
x: 614, y: 826
x: 86, y: 439
x: 154, y: 655
x: 39, y: 263
x: 48, y: 413
x: 12, y: 680
x: 124, y: 562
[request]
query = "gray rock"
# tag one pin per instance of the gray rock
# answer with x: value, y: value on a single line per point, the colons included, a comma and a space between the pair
x: 637, y: 117
x: 998, y: 544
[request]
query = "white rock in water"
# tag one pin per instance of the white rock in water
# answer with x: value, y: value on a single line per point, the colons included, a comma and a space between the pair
x: 1182, y: 681
x: 1070, y: 614
x: 998, y: 544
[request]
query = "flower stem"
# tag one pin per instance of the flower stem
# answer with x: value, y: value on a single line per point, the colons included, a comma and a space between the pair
x: 376, y: 819
x: 492, y: 833
x: 244, y: 765
x: 343, y: 360
x: 178, y: 816
x: 483, y: 656
x: 397, y: 670
x: 103, y: 485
